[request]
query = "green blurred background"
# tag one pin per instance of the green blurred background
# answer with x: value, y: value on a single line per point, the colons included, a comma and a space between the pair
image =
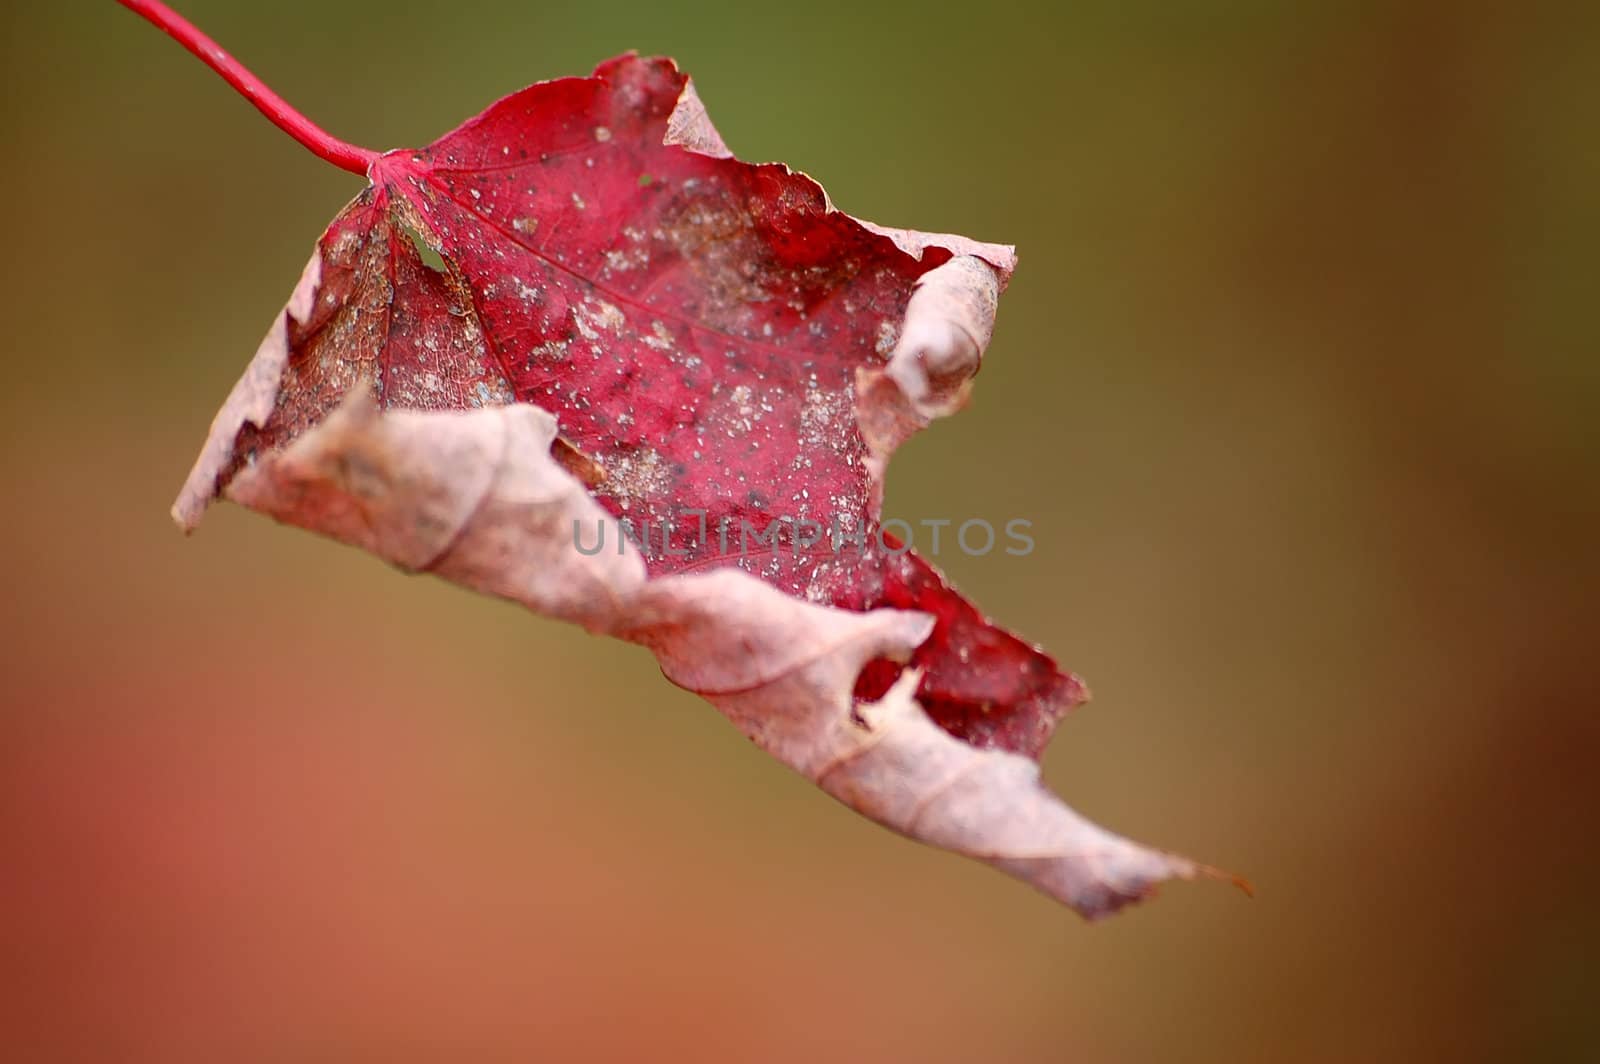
x: 1297, y: 381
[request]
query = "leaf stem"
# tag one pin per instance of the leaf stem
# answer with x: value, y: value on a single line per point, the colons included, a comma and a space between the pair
x: 340, y: 153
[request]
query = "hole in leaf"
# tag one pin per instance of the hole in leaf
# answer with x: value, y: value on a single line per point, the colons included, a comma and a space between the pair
x: 426, y: 252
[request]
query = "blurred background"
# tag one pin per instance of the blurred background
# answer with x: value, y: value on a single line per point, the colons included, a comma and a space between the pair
x: 1304, y: 332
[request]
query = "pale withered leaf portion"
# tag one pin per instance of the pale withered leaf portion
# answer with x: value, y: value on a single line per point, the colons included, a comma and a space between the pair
x: 473, y: 498
x: 250, y: 402
x: 949, y: 321
x: 477, y: 499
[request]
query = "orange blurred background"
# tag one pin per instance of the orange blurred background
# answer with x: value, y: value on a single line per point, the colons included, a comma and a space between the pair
x: 1297, y: 382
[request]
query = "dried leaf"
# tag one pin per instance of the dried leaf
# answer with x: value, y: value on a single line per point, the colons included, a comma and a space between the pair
x: 579, y: 308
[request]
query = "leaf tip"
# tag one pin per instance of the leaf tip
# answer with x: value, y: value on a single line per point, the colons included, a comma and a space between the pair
x: 187, y: 522
x: 1237, y: 880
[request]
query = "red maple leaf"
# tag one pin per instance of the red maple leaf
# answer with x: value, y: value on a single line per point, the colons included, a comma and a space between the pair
x: 730, y: 361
